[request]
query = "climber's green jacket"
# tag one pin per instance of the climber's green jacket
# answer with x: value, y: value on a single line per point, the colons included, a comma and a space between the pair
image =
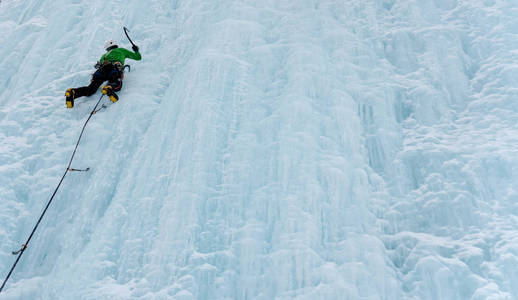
x: 119, y: 54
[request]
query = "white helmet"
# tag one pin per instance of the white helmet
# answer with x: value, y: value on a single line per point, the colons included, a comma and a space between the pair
x: 109, y: 44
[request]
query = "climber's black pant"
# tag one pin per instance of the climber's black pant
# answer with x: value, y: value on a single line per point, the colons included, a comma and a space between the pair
x: 108, y: 73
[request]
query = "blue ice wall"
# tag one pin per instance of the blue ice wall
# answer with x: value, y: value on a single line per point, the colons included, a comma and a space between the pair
x: 263, y: 150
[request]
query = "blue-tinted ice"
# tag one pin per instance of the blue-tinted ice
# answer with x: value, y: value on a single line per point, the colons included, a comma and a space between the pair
x: 272, y: 149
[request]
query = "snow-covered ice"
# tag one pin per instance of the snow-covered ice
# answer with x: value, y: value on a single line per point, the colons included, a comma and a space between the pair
x: 275, y: 149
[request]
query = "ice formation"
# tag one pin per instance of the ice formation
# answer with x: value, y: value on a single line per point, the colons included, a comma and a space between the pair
x: 275, y: 149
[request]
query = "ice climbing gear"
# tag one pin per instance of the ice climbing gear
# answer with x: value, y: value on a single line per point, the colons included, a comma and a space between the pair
x: 21, y: 249
x: 70, y: 95
x: 126, y: 30
x: 79, y: 170
x: 108, y: 90
x: 110, y: 44
x: 24, y: 246
x: 102, y: 107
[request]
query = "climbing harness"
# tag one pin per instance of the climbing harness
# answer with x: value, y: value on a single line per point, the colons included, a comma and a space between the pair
x: 24, y: 246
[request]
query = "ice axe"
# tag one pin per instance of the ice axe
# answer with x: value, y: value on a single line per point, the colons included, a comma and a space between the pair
x: 126, y: 32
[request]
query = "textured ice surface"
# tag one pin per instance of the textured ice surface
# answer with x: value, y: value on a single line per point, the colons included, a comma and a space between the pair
x: 274, y: 149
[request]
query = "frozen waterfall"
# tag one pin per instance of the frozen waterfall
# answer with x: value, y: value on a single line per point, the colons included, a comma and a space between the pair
x: 275, y: 149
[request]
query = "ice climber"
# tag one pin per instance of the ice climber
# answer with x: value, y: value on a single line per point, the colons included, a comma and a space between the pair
x: 109, y: 68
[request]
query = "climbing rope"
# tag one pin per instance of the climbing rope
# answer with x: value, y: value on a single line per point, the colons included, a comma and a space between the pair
x: 24, y: 246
